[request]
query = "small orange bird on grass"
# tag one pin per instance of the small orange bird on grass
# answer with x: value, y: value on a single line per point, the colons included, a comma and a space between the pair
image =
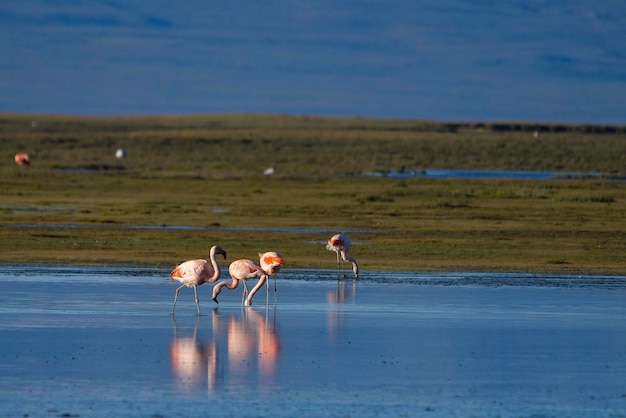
x: 340, y: 244
x: 22, y: 159
x: 193, y: 273
x: 271, y: 263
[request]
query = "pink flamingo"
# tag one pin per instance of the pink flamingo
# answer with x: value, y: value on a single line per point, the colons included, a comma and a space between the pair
x: 271, y: 262
x: 193, y: 273
x: 239, y: 270
x: 22, y: 159
x: 340, y: 244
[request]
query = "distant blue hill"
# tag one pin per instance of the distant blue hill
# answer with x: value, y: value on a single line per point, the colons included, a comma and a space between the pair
x: 542, y: 61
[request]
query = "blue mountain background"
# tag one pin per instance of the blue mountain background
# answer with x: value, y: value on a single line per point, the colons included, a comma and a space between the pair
x: 531, y: 60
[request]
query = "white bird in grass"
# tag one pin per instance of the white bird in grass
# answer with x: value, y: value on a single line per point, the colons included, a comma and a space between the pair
x: 193, y: 273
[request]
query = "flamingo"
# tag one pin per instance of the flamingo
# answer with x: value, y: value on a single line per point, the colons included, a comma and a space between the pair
x: 271, y: 262
x: 238, y: 270
x: 22, y: 159
x: 193, y: 273
x: 340, y: 244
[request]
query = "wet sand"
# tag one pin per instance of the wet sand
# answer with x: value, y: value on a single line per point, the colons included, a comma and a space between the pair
x: 95, y: 342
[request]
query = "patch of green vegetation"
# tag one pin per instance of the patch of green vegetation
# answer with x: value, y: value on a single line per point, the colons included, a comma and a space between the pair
x: 205, y: 172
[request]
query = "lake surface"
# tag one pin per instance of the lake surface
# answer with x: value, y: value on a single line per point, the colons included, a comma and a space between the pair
x: 96, y: 342
x: 486, y: 174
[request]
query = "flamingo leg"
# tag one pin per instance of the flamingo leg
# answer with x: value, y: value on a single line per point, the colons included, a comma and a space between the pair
x: 195, y: 329
x: 245, y: 292
x: 175, y: 327
x: 195, y: 292
x: 267, y: 292
x: 342, y: 256
x: 176, y: 298
x: 339, y: 266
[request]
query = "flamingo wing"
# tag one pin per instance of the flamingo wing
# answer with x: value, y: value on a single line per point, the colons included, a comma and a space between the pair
x: 338, y: 242
x: 244, y: 269
x: 192, y: 272
x: 203, y: 270
x: 271, y: 262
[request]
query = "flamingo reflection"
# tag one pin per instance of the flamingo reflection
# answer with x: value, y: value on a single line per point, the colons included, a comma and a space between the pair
x: 268, y: 341
x: 252, y: 345
x: 190, y: 359
x: 342, y: 293
x: 252, y: 339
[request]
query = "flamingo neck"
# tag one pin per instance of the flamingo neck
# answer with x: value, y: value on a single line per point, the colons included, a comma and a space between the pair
x: 217, y: 289
x: 355, y: 266
x: 256, y: 288
x: 216, y: 267
x: 230, y: 285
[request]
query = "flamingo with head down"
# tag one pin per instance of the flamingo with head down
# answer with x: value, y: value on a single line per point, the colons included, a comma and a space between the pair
x: 340, y: 244
x: 193, y: 273
x: 271, y: 262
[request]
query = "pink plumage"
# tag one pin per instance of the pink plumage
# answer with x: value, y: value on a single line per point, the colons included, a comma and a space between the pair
x: 340, y: 244
x: 271, y: 262
x: 193, y: 273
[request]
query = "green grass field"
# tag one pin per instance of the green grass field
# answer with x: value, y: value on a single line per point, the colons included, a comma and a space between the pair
x: 78, y: 204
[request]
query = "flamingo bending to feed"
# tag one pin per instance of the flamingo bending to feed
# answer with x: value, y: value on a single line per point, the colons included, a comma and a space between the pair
x: 340, y: 244
x: 193, y: 273
x: 271, y: 262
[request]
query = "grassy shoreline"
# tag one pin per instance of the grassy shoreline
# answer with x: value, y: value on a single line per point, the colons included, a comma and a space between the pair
x: 206, y: 172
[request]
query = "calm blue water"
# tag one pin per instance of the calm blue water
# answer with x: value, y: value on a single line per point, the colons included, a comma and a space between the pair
x: 534, y: 60
x: 100, y: 342
x: 486, y: 174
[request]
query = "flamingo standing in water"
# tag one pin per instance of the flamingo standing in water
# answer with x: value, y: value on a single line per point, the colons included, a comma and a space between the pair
x: 271, y: 262
x: 193, y: 273
x: 340, y: 244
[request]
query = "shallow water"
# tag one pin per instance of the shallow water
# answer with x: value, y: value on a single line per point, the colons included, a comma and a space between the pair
x: 177, y: 228
x: 486, y: 174
x: 101, y: 342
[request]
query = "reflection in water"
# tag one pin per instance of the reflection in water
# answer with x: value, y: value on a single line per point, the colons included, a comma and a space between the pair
x: 252, y: 345
x: 191, y: 360
x: 343, y: 293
